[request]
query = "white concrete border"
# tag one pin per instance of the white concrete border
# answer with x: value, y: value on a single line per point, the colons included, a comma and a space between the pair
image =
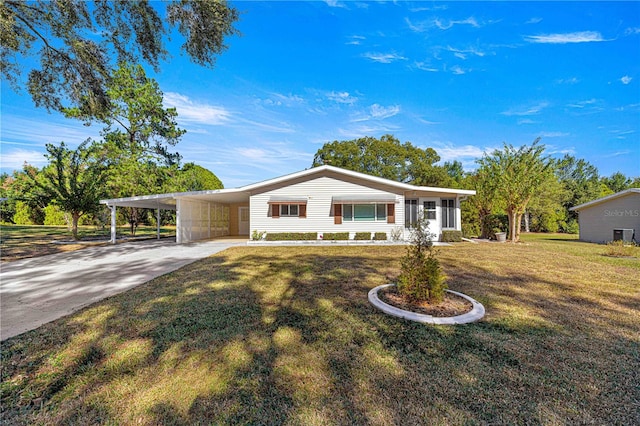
x: 476, y: 313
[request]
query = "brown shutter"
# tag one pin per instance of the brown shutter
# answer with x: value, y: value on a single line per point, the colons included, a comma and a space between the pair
x: 302, y: 210
x: 275, y: 210
x: 391, y: 213
x: 337, y: 214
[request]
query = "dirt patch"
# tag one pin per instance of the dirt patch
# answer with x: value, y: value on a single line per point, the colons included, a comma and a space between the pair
x: 451, y: 306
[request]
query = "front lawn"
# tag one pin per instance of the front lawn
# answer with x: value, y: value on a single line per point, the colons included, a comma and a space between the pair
x: 23, y: 241
x: 284, y: 335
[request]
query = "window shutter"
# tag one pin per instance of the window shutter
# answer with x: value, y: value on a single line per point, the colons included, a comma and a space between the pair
x: 275, y: 210
x: 337, y: 214
x: 302, y: 210
x: 391, y: 213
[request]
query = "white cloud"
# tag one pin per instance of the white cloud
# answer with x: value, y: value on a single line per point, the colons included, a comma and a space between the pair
x: 342, y: 97
x: 425, y: 66
x: 384, y: 58
x: 40, y: 132
x: 462, y: 53
x: 553, y: 134
x: 445, y: 25
x: 582, y: 104
x: 632, y: 31
x: 531, y: 110
x: 196, y: 112
x: 380, y: 112
x: 563, y: 38
x: 572, y: 80
x: 534, y: 21
x: 466, y: 154
x: 626, y: 79
x: 335, y: 3
x: 527, y: 121
x: 617, y: 153
x: 15, y: 159
x: 356, y: 40
x: 457, y: 70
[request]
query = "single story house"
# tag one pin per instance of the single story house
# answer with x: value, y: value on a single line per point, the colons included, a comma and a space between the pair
x: 609, y: 218
x: 321, y: 199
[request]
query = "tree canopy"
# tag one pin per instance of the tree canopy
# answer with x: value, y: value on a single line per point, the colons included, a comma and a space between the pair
x: 517, y: 174
x: 77, y: 43
x: 386, y: 157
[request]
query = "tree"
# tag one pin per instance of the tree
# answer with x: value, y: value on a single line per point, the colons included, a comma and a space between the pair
x: 138, y: 125
x: 77, y: 41
x: 518, y: 174
x: 385, y: 157
x: 196, y: 178
x: 485, y: 184
x: 617, y: 182
x: 74, y: 179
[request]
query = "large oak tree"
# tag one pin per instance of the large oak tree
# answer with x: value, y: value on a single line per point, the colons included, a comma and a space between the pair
x: 77, y: 43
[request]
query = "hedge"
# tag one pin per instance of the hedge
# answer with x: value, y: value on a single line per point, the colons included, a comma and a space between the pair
x: 380, y: 236
x: 362, y: 236
x: 335, y: 236
x: 451, y: 236
x: 292, y: 236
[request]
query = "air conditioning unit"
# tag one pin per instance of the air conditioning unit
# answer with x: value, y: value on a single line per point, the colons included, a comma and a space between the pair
x: 626, y: 235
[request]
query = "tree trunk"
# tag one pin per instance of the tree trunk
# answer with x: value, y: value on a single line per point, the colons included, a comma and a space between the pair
x: 518, y: 226
x: 527, y: 219
x: 513, y: 225
x: 74, y: 225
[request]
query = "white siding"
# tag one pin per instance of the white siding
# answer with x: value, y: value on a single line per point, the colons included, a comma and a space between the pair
x: 320, y: 217
x: 597, y: 222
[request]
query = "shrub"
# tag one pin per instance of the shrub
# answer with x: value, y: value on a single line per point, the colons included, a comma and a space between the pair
x: 620, y: 249
x: 23, y: 214
x: 54, y: 216
x: 380, y: 236
x: 451, y: 236
x: 396, y: 233
x: 258, y: 235
x: 421, y: 276
x: 470, y: 230
x: 332, y: 236
x: 362, y: 236
x: 292, y: 236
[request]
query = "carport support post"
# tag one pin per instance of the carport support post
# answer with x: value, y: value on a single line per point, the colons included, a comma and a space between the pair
x: 113, y: 224
x: 158, y: 221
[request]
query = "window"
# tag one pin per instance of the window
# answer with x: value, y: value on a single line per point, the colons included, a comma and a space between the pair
x: 288, y: 210
x: 448, y: 213
x: 410, y: 213
x: 429, y: 210
x: 364, y: 212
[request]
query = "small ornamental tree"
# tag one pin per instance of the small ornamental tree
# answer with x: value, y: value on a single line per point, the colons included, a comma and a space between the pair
x: 421, y: 278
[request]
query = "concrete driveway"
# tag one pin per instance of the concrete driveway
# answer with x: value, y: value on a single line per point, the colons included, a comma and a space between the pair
x: 39, y: 290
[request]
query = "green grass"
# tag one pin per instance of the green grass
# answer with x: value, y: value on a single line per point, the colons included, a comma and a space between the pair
x: 22, y: 241
x: 284, y: 335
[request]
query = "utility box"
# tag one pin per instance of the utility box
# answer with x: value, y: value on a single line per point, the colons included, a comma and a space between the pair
x: 625, y: 235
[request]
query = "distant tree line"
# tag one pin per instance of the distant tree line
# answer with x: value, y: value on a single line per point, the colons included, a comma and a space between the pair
x: 517, y: 188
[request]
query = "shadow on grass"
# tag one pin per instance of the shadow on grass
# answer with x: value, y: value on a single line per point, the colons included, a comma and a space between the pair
x: 274, y: 336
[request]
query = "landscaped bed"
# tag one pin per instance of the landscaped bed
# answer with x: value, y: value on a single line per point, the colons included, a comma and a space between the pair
x: 287, y: 335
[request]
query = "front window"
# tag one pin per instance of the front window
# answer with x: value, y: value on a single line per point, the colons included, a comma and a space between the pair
x: 289, y: 210
x: 448, y: 213
x: 364, y: 212
x: 410, y: 213
x: 429, y: 210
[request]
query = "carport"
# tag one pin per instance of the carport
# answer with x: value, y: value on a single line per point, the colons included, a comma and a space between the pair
x: 200, y: 215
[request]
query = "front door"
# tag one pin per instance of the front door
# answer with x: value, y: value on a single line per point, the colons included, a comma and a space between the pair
x: 243, y: 220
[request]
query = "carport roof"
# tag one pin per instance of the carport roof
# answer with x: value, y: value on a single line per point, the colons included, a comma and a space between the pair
x: 605, y: 199
x: 168, y: 201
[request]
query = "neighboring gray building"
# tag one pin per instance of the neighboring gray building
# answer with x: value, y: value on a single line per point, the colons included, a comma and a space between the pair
x: 617, y: 213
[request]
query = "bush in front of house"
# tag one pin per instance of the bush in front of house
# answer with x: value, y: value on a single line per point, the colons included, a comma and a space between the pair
x: 333, y: 236
x: 380, y: 236
x: 292, y: 236
x: 451, y: 236
x: 421, y: 277
x: 362, y: 236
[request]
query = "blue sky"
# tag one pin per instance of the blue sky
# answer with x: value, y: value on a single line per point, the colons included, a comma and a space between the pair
x: 461, y: 78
